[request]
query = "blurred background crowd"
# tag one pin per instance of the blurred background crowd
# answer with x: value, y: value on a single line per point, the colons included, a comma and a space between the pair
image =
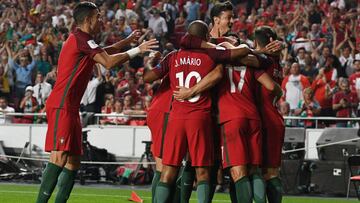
x: 321, y: 60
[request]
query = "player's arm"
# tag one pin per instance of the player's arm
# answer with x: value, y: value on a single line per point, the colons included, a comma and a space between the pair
x: 206, y: 83
x: 116, y: 47
x: 150, y: 75
x: 275, y: 89
x: 111, y: 60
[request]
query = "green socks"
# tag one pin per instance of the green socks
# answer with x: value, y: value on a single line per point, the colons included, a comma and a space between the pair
x: 213, y: 179
x: 65, y: 185
x: 274, y: 190
x: 243, y: 190
x: 162, y: 193
x: 187, y: 181
x: 48, y: 183
x: 154, y: 183
x: 203, y: 192
x: 258, y: 187
x: 232, y: 192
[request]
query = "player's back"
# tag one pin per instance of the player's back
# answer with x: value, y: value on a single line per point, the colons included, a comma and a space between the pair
x: 264, y: 97
x: 187, y: 68
x: 236, y: 93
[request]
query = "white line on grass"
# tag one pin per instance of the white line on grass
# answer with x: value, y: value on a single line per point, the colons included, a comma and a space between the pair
x: 96, y: 195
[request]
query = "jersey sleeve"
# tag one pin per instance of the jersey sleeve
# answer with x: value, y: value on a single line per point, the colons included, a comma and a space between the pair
x: 219, y: 54
x: 88, y: 46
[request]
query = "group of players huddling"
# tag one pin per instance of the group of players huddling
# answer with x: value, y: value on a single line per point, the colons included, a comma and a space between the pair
x: 209, y: 110
x: 212, y: 94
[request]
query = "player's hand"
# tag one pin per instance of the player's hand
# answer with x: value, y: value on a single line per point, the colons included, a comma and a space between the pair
x: 149, y: 45
x: 134, y: 36
x: 273, y: 47
x: 182, y: 93
x: 227, y: 45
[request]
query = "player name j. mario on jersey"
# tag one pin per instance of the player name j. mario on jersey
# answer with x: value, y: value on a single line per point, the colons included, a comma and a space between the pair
x: 188, y: 61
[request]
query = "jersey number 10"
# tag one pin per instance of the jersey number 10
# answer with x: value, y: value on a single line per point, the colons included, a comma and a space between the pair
x: 180, y: 77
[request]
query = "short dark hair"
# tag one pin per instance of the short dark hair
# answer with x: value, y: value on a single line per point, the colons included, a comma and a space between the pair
x: 219, y: 8
x: 263, y: 34
x: 198, y: 28
x: 83, y: 10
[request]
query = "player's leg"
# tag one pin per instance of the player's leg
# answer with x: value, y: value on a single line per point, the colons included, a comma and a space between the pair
x: 67, y: 178
x: 273, y: 141
x: 57, y: 125
x: 236, y: 157
x: 50, y: 175
x: 157, y: 122
x: 255, y: 152
x: 216, y: 168
x: 201, y: 150
x: 258, y: 184
x: 273, y: 185
x: 173, y: 153
x: 164, y: 187
x: 74, y: 146
x: 187, y: 181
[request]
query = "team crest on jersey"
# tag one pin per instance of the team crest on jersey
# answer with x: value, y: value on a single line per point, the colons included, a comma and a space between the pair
x: 62, y: 140
x: 92, y: 44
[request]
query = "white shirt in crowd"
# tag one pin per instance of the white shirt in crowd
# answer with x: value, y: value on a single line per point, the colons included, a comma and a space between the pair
x: 90, y: 92
x: 127, y: 13
x: 294, y: 91
x: 55, y: 19
x: 158, y: 25
x: 8, y: 109
x: 42, y: 92
x: 306, y: 45
x: 349, y: 63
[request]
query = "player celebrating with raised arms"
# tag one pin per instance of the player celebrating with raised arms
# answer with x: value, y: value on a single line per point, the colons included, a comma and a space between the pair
x: 76, y: 61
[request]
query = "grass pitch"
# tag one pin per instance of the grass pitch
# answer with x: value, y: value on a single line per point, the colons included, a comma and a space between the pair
x: 15, y: 193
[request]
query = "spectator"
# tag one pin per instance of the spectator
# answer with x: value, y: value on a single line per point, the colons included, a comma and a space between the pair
x: 355, y: 78
x: 285, y: 111
x: 28, y: 105
x: 128, y: 102
x: 244, y: 38
x: 44, y: 63
x: 23, y: 70
x: 88, y: 100
x: 5, y: 77
x: 42, y: 90
x: 4, y: 108
x: 157, y: 24
x: 192, y: 8
x: 308, y: 107
x: 116, y: 120
x: 293, y: 86
x: 344, y: 103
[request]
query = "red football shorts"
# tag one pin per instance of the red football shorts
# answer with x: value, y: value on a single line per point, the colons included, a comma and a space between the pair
x: 157, y: 122
x: 273, y: 139
x: 189, y: 135
x: 64, y: 131
x: 241, y: 142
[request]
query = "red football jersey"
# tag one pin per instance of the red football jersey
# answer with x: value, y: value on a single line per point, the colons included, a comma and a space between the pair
x: 74, y: 70
x: 268, y: 111
x: 163, y: 96
x: 236, y: 93
x: 187, y: 68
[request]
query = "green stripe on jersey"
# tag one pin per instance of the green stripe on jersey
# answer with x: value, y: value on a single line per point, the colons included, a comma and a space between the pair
x: 63, y: 99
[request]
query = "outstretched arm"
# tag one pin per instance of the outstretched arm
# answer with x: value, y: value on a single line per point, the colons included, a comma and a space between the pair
x: 116, y: 47
x: 208, y: 82
x: 111, y: 60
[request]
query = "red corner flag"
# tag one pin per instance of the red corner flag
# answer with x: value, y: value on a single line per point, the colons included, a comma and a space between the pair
x: 135, y: 197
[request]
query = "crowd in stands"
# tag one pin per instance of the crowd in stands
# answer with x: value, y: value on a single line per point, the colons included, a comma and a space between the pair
x: 321, y: 60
